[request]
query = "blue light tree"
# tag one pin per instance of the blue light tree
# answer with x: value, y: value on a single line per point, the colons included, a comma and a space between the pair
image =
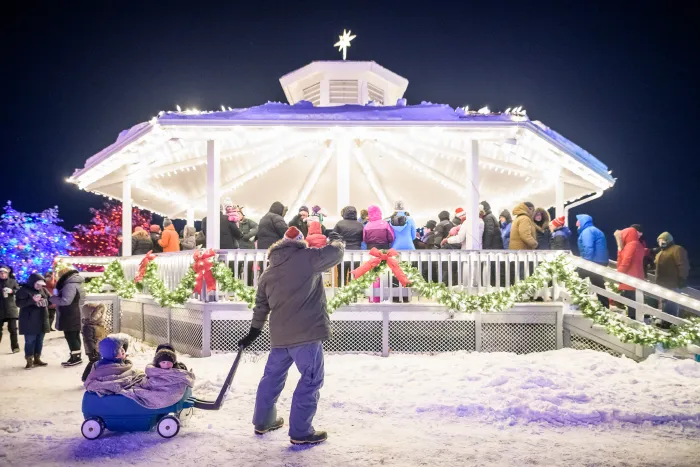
x: 29, y: 242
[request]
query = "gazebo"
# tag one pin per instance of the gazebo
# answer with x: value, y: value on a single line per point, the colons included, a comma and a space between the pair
x: 346, y: 137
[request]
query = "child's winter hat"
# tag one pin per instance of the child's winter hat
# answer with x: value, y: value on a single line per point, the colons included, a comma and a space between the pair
x: 110, y: 345
x: 166, y: 347
x: 461, y: 213
x: 558, y: 222
x: 293, y: 235
x: 164, y: 355
x: 399, y: 206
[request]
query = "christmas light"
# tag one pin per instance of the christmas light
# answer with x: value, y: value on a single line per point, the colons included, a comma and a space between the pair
x: 344, y: 42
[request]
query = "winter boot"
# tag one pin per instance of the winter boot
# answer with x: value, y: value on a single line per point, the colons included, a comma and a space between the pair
x: 314, y: 438
x: 30, y: 363
x: 38, y: 362
x: 75, y: 359
x: 15, y: 350
x: 261, y: 430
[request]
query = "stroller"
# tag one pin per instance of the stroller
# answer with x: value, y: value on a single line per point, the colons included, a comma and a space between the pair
x: 120, y: 414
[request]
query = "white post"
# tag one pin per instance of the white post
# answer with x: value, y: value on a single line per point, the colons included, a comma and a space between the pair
x: 126, y: 217
x: 472, y: 194
x: 213, y: 195
x: 190, y: 216
x: 343, y: 147
x: 559, y: 199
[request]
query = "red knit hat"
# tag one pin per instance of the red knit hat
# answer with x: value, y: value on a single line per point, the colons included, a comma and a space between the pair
x: 558, y: 222
x: 155, y: 228
x: 293, y: 235
x: 459, y: 212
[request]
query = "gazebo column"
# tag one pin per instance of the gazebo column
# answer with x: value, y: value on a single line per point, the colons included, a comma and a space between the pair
x: 213, y: 195
x: 190, y: 216
x: 559, y: 199
x: 472, y: 194
x: 126, y: 217
x: 343, y: 149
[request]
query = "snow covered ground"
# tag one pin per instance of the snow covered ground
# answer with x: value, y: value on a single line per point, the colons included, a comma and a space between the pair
x: 565, y: 407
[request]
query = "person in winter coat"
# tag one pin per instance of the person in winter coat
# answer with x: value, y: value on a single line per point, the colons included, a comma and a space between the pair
x: 248, y: 228
x: 443, y: 227
x: 377, y: 232
x: 459, y: 235
x: 561, y: 234
x: 170, y: 240
x: 32, y: 299
x: 272, y: 226
x: 315, y: 238
x: 188, y: 241
x: 630, y: 261
x: 350, y: 229
x: 523, y: 233
x: 9, y: 313
x: 404, y: 228
x: 229, y: 233
x: 592, y: 244
x: 155, y: 237
x: 672, y: 268
x: 541, y: 220
x: 291, y: 293
x: 505, y: 223
x: 491, y: 239
x: 93, y: 332
x: 141, y: 242
x: 51, y: 280
x: 427, y: 240
x: 300, y: 220
x: 70, y: 301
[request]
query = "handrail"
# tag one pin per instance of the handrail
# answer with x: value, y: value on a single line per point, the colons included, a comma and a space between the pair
x: 695, y: 293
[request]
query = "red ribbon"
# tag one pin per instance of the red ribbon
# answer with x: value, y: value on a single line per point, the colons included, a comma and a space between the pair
x: 378, y: 257
x: 202, y: 267
x: 144, y: 264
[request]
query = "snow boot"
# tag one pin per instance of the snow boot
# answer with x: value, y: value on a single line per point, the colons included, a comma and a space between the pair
x: 314, y: 438
x: 261, y: 430
x: 15, y: 350
x: 75, y: 359
x: 38, y: 362
x: 30, y: 363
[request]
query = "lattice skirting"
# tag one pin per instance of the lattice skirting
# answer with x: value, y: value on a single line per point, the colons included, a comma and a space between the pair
x: 583, y: 343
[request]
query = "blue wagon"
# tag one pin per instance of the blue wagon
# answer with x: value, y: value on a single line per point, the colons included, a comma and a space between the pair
x: 119, y: 413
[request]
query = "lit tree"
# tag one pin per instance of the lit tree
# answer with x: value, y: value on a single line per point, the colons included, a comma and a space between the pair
x: 29, y: 242
x: 99, y: 237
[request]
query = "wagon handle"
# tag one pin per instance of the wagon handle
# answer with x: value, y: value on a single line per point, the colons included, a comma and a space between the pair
x: 216, y: 405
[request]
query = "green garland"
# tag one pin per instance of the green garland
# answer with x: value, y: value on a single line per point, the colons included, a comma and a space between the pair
x: 498, y: 301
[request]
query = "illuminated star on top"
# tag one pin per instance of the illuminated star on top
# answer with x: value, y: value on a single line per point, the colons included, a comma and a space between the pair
x: 344, y: 43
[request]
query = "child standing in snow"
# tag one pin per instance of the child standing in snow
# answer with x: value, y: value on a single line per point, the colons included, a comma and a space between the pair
x: 93, y: 332
x: 315, y: 238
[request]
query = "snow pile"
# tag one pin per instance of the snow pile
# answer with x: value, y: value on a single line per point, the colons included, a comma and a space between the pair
x: 565, y: 407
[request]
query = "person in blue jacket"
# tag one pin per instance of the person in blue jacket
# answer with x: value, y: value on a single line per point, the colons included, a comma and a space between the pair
x: 592, y: 246
x: 404, y: 228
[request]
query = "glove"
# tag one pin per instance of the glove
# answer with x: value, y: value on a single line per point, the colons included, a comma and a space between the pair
x: 250, y: 338
x: 335, y: 237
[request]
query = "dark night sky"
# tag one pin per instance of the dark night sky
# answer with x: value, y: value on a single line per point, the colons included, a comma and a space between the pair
x: 615, y: 78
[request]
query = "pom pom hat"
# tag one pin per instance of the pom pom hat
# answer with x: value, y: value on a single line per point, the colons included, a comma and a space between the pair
x: 558, y: 222
x: 461, y: 213
x: 293, y: 235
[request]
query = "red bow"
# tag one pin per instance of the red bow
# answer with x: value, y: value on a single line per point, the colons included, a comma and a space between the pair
x: 202, y: 266
x: 380, y: 256
x: 144, y: 264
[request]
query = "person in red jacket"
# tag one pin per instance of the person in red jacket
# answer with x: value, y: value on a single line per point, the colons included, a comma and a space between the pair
x: 630, y: 261
x: 315, y: 238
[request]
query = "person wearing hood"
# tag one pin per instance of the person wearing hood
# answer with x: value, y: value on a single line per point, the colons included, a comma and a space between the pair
x: 170, y: 240
x: 630, y: 261
x: 70, y: 302
x: 291, y: 293
x: 404, y: 228
x: 672, y: 268
x: 272, y: 226
x: 541, y: 220
x: 141, y: 242
x: 561, y: 234
x: 32, y: 299
x: 315, y: 238
x: 248, y: 228
x: 154, y: 232
x: 523, y: 233
x: 9, y: 313
x: 443, y: 227
x: 377, y: 233
x: 300, y: 220
x: 505, y: 223
x: 592, y: 246
x: 350, y: 229
x: 491, y: 239
x: 188, y: 242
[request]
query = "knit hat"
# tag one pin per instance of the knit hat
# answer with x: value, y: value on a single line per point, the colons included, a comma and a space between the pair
x: 304, y: 208
x: 430, y: 225
x: 5, y: 269
x: 155, y: 228
x: 666, y: 236
x: 139, y: 229
x: 109, y: 346
x: 461, y: 213
x: 558, y: 222
x: 399, y: 206
x: 164, y: 355
x: 293, y: 235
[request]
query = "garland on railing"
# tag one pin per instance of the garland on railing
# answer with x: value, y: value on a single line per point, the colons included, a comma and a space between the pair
x: 558, y: 269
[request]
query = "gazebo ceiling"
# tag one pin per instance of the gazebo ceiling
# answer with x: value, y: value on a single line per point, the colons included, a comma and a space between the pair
x: 291, y: 154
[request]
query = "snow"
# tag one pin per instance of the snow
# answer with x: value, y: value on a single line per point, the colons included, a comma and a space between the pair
x: 564, y: 407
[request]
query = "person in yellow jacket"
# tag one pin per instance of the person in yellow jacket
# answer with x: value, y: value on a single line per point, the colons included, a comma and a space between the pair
x: 169, y: 240
x: 523, y: 233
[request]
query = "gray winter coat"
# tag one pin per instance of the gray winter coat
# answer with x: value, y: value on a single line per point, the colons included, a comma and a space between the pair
x: 249, y: 229
x: 291, y: 292
x: 188, y: 241
x: 70, y: 301
x: 8, y: 308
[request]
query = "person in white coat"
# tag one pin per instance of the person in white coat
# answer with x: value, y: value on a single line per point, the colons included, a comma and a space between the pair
x: 462, y: 233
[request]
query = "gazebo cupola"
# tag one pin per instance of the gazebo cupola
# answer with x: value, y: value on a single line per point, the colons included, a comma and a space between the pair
x: 331, y: 83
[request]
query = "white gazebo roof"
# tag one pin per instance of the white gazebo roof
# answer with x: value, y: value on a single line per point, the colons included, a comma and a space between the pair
x: 338, y: 155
